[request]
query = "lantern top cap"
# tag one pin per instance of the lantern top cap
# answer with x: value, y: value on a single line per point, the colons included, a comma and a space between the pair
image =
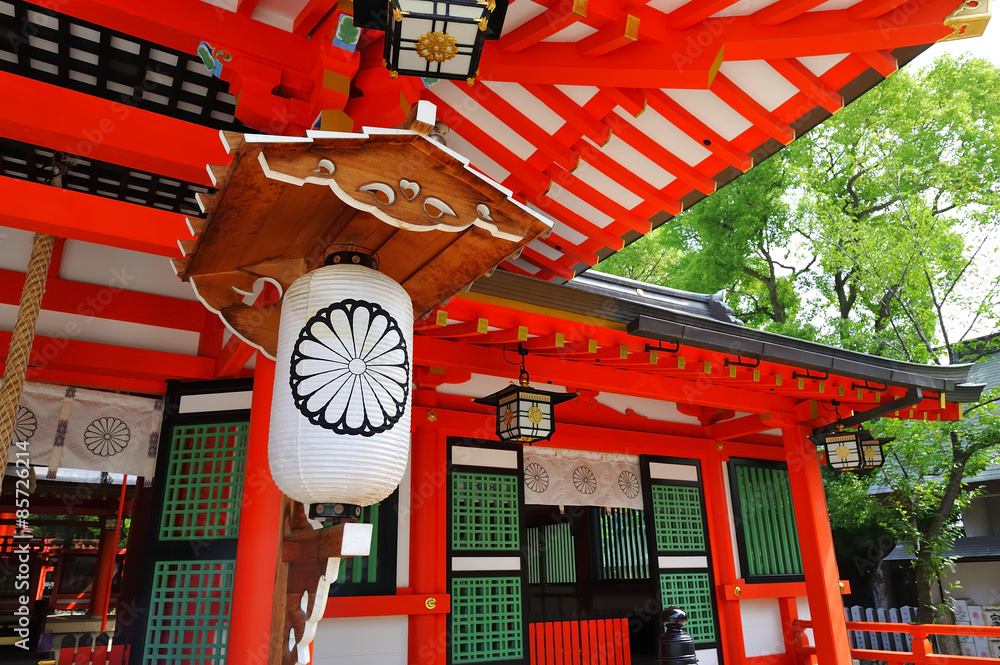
x: 553, y: 397
x: 351, y: 255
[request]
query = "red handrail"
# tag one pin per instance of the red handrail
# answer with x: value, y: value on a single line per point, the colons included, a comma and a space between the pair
x: 922, y: 653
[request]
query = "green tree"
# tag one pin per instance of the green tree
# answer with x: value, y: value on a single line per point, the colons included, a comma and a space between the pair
x: 878, y: 231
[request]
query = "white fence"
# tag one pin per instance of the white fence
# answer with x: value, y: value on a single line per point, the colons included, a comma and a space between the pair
x: 861, y: 639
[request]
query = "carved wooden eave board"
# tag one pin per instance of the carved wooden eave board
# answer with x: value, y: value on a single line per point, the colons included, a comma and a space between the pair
x: 436, y: 224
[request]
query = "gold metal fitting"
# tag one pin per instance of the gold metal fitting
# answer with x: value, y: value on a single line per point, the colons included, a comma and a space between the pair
x: 430, y: 603
x: 432, y: 415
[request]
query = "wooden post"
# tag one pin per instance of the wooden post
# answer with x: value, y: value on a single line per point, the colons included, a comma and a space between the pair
x: 819, y: 562
x: 260, y: 535
x: 100, y: 592
x: 428, y: 574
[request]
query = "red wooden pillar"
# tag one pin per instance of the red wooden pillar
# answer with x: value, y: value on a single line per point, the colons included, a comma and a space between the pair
x: 260, y: 535
x: 100, y: 590
x: 428, y: 545
x: 819, y: 562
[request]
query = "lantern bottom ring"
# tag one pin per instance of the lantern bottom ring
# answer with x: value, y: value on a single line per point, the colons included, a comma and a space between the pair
x: 334, y: 513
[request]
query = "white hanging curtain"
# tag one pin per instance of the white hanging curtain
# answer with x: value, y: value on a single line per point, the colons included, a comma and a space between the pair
x: 76, y: 428
x: 557, y: 477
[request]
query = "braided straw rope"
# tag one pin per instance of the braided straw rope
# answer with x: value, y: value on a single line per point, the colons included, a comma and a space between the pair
x: 20, y: 342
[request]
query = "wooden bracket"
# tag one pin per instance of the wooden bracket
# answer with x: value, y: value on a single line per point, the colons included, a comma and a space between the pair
x: 310, y: 562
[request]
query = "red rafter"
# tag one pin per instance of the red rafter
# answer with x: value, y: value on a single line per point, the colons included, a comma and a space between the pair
x: 868, y: 9
x: 811, y: 85
x: 573, y: 113
x: 748, y: 107
x: 622, y: 216
x: 696, y: 129
x: 499, y: 153
x: 880, y: 61
x: 654, y: 151
x: 535, y: 30
x: 627, y: 178
x: 520, y: 123
x: 694, y: 12
x: 246, y: 7
x: 783, y: 10
x: 40, y: 208
x: 609, y: 38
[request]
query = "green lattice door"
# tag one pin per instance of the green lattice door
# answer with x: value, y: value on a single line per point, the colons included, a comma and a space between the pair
x: 679, y: 547
x: 486, y: 576
x: 191, y: 551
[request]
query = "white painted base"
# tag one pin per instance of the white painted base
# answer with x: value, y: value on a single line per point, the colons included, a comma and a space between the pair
x: 361, y: 641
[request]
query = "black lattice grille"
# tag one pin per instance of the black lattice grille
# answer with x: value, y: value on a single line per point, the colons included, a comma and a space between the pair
x: 54, y: 48
x: 29, y: 162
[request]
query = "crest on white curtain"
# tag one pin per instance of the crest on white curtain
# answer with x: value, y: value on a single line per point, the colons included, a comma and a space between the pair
x: 557, y: 477
x: 76, y: 428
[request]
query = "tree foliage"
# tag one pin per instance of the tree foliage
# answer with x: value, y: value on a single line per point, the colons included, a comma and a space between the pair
x: 878, y: 232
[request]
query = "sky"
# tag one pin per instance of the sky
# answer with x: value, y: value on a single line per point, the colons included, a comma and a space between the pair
x: 987, y: 46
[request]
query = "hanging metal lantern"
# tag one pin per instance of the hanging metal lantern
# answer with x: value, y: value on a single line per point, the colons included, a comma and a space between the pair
x: 436, y: 39
x: 340, y: 415
x: 852, y: 450
x: 433, y: 39
x: 872, y: 454
x: 525, y: 414
x: 843, y: 449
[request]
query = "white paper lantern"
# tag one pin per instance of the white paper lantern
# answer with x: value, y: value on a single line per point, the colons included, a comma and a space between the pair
x: 340, y: 415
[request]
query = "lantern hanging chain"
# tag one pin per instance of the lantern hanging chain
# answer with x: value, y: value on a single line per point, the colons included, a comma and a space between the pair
x: 21, y: 340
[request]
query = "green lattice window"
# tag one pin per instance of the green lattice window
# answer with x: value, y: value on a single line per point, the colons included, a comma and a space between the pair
x: 189, y: 613
x: 692, y: 592
x: 678, y: 520
x: 765, y: 525
x: 486, y: 622
x: 201, y: 498
x: 484, y: 512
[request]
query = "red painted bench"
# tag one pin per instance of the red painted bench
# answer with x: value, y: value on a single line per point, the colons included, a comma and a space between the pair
x: 591, y: 642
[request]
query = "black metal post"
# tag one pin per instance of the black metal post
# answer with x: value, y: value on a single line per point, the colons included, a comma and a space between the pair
x: 675, y: 646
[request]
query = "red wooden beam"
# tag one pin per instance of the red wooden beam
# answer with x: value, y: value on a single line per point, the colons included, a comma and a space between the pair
x: 623, y: 31
x: 183, y: 24
x: 446, y: 354
x: 868, y: 9
x: 694, y: 12
x: 783, y: 10
x: 573, y: 113
x: 110, y: 302
x: 96, y: 381
x: 90, y: 357
x: 663, y: 65
x: 521, y: 124
x: 881, y: 61
x: 627, y: 178
x: 488, y: 145
x: 811, y: 85
x: 95, y: 128
x: 654, y: 151
x: 234, y: 356
x: 696, y: 129
x: 748, y: 107
x: 535, y: 30
x: 40, y: 208
x: 623, y: 217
